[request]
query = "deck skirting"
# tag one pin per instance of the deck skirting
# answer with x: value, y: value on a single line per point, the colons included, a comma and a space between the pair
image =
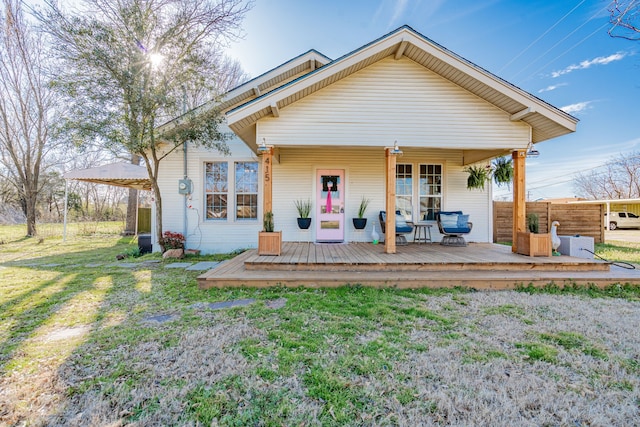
x: 479, y: 266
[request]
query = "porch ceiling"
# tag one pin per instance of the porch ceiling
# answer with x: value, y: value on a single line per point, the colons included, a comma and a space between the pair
x: 546, y: 120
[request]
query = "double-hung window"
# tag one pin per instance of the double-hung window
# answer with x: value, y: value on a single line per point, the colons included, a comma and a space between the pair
x: 425, y: 187
x: 430, y: 191
x: 246, y: 190
x: 404, y: 190
x: 216, y: 190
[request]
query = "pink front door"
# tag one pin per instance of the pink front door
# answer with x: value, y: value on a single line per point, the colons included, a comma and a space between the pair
x: 330, y: 205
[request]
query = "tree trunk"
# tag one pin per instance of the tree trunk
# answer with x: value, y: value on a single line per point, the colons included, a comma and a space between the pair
x: 132, y: 204
x: 158, y: 202
x: 30, y: 201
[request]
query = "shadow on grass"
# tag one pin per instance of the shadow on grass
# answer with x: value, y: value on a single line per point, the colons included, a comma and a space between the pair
x: 54, y: 292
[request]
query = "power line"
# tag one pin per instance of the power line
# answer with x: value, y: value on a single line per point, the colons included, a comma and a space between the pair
x: 539, y: 183
x: 541, y: 36
x: 567, y: 51
x: 557, y: 43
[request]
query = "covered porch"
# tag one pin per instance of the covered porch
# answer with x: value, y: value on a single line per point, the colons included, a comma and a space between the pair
x: 479, y: 266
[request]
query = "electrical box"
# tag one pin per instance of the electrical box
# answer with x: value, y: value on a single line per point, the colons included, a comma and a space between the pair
x: 184, y: 186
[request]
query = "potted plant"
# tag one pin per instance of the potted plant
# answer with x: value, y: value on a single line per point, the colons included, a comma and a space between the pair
x: 361, y: 222
x: 531, y: 242
x: 269, y: 241
x: 533, y: 223
x: 304, y: 209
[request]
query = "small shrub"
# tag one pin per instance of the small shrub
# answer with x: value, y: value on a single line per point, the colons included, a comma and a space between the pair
x: 533, y: 223
x: 268, y: 222
x: 133, y: 252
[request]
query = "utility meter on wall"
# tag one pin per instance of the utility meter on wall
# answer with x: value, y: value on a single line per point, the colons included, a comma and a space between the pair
x: 184, y: 186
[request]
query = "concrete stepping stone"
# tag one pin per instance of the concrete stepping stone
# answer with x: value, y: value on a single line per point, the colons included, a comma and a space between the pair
x: 94, y: 264
x: 178, y: 265
x: 228, y: 304
x: 125, y: 264
x: 276, y: 304
x: 160, y: 318
x: 203, y: 265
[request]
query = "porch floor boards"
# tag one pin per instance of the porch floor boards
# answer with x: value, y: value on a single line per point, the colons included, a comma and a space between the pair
x: 479, y: 265
x: 426, y: 257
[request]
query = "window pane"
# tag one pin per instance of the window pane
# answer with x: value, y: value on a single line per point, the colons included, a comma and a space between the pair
x: 246, y: 190
x: 216, y: 206
x: 216, y: 189
x: 246, y: 206
x: 404, y: 189
x: 247, y: 177
x: 430, y: 191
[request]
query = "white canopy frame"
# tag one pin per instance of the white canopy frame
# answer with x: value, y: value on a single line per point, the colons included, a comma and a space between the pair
x: 120, y: 174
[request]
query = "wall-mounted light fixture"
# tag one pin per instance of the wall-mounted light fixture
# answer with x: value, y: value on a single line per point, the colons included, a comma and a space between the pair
x: 531, y: 151
x: 395, y: 151
x: 263, y: 147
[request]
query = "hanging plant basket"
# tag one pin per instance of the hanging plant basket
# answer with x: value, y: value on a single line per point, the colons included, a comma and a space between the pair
x: 502, y: 171
x: 478, y: 176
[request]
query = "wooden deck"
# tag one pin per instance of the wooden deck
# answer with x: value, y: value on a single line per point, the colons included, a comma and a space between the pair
x: 479, y: 265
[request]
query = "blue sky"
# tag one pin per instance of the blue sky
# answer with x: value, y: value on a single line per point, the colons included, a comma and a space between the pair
x: 557, y: 50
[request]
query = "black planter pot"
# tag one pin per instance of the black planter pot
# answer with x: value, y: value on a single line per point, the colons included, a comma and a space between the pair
x: 359, y: 223
x: 304, y: 223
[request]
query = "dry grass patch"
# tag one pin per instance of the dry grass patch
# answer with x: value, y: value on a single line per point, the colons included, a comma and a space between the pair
x: 143, y: 347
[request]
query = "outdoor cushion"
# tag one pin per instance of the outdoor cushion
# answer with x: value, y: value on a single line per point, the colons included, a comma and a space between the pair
x: 463, y: 221
x: 456, y: 230
x: 401, y: 225
x: 449, y: 220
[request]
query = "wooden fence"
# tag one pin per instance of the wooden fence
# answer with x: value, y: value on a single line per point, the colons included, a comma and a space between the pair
x: 144, y: 220
x: 582, y: 219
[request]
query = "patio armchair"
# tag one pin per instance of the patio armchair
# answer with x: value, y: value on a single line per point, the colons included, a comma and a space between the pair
x: 402, y: 227
x: 452, y: 225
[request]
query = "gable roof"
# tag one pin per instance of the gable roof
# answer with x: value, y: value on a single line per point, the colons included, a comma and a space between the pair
x: 260, y: 85
x: 546, y: 121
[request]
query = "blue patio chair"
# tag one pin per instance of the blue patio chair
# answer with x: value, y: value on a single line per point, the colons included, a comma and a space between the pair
x: 452, y: 225
x: 402, y: 227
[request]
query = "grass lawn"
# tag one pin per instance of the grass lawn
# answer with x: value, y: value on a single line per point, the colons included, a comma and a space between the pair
x: 86, y: 341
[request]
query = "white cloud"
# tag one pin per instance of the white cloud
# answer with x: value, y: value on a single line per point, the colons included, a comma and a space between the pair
x: 552, y: 87
x: 398, y: 11
x: 576, y: 108
x: 600, y: 60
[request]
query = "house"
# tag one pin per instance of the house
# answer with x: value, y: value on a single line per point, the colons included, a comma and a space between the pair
x: 315, y: 127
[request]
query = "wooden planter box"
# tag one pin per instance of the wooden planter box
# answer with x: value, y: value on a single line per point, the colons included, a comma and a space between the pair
x: 269, y: 243
x: 534, y: 244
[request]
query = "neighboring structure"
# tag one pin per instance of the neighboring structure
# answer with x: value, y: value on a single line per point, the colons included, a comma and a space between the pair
x: 314, y: 127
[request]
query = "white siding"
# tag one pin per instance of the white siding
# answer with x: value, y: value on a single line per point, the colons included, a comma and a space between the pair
x: 208, y: 236
x: 294, y: 178
x: 394, y: 100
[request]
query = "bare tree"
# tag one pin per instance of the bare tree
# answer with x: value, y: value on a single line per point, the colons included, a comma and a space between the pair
x: 130, y: 63
x: 624, y: 17
x: 618, y: 179
x: 26, y: 107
